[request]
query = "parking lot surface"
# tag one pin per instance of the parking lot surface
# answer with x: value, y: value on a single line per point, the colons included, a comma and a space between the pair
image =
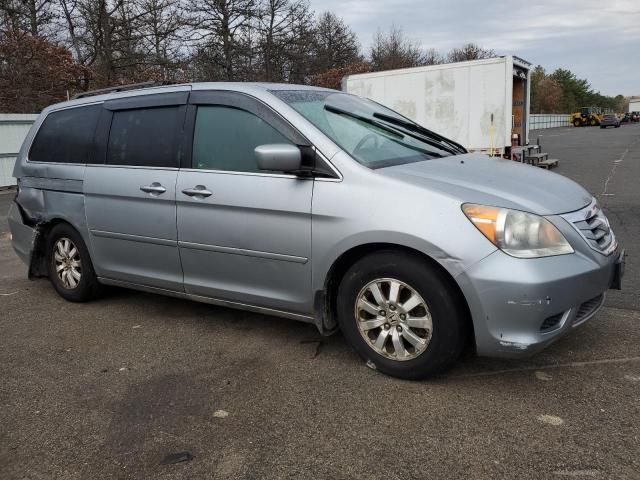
x: 109, y: 388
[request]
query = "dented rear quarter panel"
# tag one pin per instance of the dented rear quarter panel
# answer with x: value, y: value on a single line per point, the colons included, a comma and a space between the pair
x: 22, y: 236
x: 48, y: 191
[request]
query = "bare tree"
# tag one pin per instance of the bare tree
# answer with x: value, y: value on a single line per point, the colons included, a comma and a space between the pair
x: 162, y: 28
x: 133, y: 40
x: 335, y: 45
x: 71, y: 19
x: 32, y: 16
x: 274, y: 28
x: 299, y: 56
x: 100, y: 37
x: 221, y: 27
x: 469, y: 51
x: 393, y: 50
x: 432, y: 57
x: 11, y: 17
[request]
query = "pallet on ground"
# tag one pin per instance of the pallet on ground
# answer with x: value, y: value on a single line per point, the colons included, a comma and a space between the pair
x: 535, y: 158
x: 549, y: 163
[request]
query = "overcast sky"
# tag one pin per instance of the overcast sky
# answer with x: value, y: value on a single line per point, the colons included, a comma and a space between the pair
x: 596, y: 39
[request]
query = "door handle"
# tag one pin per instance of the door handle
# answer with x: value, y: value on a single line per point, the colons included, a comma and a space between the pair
x: 197, y: 191
x: 155, y: 187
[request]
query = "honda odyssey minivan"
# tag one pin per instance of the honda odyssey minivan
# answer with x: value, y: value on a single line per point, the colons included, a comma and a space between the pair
x: 315, y: 205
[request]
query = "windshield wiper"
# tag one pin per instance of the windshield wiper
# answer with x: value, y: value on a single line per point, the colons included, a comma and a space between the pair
x: 362, y: 118
x: 387, y: 128
x: 414, y: 127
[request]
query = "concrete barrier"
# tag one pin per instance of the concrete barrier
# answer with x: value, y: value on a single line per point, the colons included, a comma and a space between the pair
x: 549, y: 120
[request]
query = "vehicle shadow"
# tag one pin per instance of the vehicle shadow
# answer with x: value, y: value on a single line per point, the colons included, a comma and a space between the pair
x: 591, y: 342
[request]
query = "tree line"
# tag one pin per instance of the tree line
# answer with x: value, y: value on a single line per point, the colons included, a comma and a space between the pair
x: 50, y: 49
x: 563, y: 92
x: 53, y: 48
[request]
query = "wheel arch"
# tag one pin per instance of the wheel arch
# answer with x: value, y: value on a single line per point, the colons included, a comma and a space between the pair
x: 325, y: 299
x: 38, y: 264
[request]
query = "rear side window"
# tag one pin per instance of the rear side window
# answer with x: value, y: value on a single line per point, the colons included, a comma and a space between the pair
x: 225, y: 137
x: 66, y: 136
x: 144, y: 137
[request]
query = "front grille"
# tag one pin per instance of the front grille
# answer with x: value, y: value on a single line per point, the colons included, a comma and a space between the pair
x: 588, y: 308
x: 593, y: 225
x: 552, y: 322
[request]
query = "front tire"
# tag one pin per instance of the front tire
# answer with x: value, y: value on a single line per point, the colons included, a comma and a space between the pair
x: 577, y: 123
x: 401, y: 313
x: 70, y: 269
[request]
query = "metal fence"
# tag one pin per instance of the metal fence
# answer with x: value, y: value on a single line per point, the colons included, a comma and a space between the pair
x: 549, y: 120
x: 13, y: 129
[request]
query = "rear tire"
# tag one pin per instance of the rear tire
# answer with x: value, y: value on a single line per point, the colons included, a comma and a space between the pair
x: 70, y: 269
x: 577, y: 123
x: 423, y: 317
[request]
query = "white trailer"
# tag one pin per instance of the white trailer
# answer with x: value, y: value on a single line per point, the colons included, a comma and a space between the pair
x: 481, y: 104
x: 634, y: 105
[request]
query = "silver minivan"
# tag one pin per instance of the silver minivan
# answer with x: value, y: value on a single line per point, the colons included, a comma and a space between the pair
x: 315, y: 205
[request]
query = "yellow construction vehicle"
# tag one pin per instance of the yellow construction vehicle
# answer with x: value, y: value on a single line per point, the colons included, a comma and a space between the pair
x: 587, y: 116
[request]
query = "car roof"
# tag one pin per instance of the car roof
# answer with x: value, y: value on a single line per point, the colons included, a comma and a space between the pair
x: 251, y: 88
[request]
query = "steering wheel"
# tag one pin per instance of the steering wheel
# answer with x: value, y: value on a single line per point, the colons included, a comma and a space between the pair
x: 365, y: 139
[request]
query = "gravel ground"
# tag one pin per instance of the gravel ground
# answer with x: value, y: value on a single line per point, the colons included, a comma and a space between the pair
x: 108, y: 389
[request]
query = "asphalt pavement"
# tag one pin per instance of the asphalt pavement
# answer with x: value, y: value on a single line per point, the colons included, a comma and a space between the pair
x: 108, y: 389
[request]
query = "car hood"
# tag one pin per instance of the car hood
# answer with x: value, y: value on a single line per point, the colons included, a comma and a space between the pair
x: 476, y: 178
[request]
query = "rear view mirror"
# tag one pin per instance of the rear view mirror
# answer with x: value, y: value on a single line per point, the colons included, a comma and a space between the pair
x: 278, y: 157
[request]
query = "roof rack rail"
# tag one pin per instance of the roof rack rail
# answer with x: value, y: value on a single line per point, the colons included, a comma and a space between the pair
x: 122, y: 88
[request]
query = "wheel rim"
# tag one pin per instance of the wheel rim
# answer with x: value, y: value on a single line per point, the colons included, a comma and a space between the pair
x: 66, y: 258
x: 393, y: 319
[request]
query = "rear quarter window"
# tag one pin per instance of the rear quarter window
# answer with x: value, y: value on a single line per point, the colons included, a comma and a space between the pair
x: 66, y: 136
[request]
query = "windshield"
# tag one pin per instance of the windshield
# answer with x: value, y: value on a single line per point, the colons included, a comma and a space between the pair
x: 373, y: 135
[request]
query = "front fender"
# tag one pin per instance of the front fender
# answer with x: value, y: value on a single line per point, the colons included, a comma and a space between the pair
x: 325, y: 261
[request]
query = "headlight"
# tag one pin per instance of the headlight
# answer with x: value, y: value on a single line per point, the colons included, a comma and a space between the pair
x: 519, y: 234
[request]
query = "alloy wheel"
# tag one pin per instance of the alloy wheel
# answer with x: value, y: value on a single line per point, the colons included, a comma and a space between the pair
x: 394, y: 319
x: 66, y: 257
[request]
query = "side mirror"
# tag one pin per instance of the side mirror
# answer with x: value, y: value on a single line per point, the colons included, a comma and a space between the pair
x: 278, y: 157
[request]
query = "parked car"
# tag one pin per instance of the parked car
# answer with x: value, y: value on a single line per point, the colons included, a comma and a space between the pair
x: 610, y: 120
x: 635, y: 117
x: 626, y: 118
x: 315, y: 205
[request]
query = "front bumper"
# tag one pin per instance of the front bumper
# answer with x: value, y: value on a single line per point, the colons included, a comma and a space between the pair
x: 521, y: 306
